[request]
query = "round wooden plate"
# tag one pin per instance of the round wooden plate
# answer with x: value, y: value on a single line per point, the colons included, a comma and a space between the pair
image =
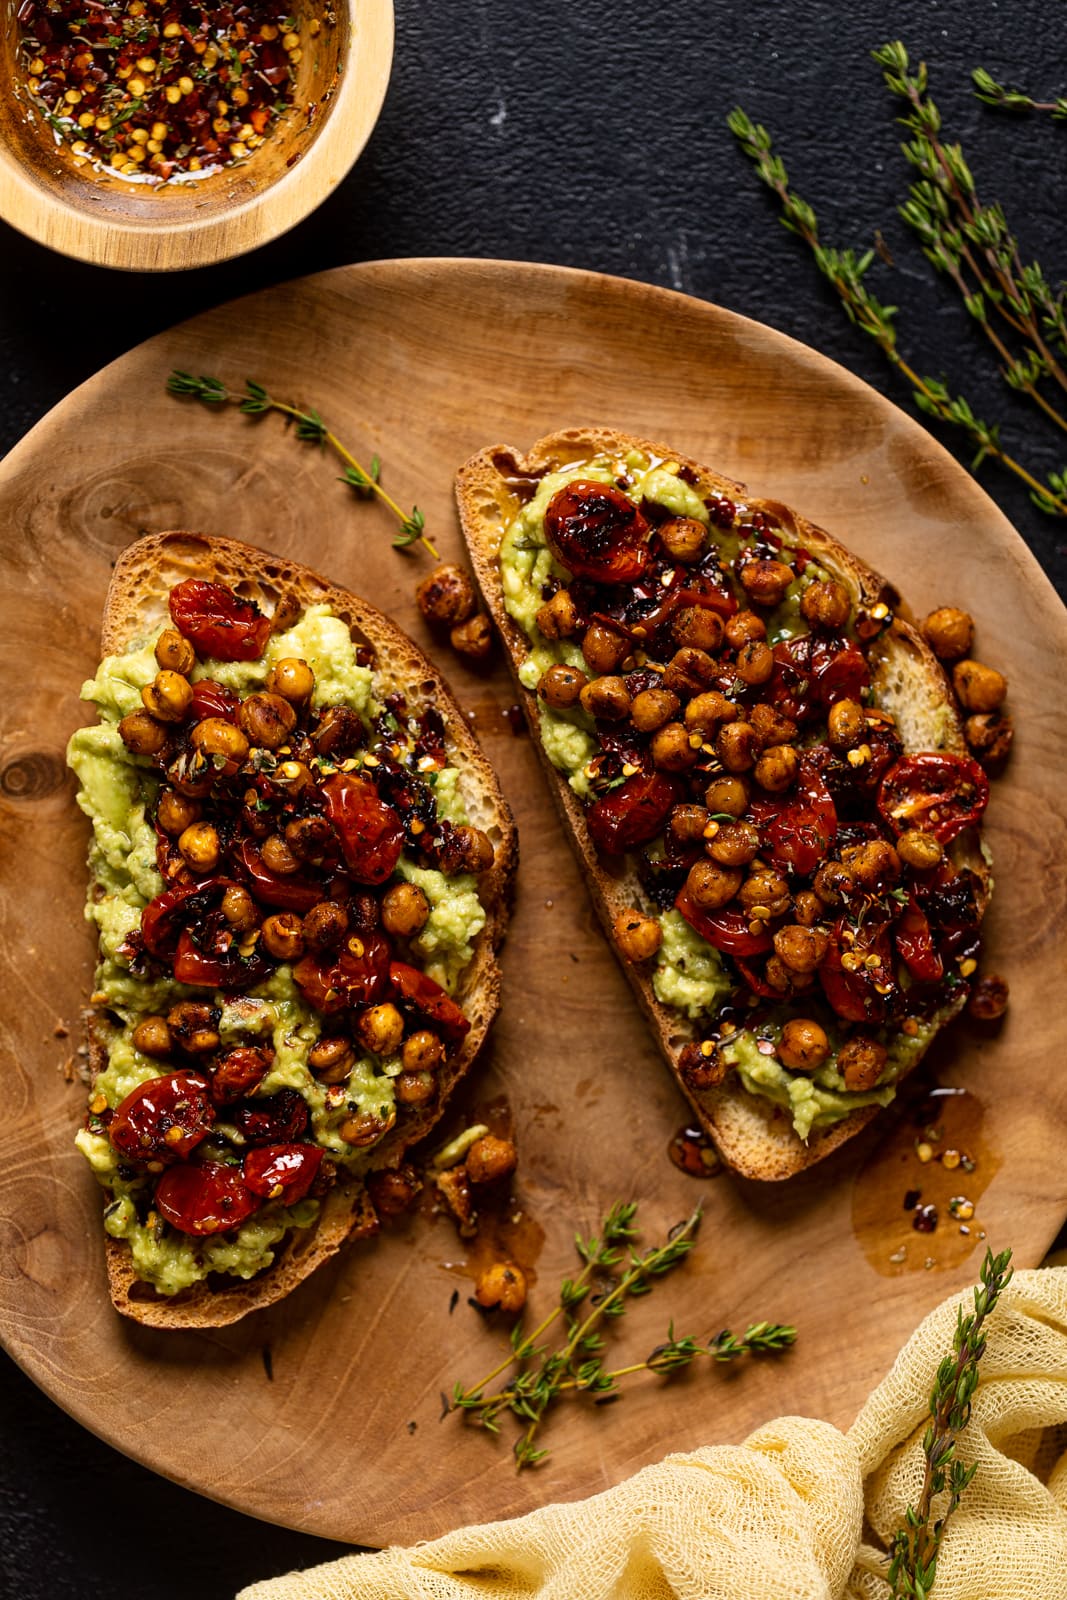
x: 324, y: 1412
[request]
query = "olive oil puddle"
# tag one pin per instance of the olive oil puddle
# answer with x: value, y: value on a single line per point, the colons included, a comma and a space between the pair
x: 505, y: 1229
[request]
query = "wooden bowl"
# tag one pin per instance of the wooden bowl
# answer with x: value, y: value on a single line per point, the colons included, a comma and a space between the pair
x: 340, y: 87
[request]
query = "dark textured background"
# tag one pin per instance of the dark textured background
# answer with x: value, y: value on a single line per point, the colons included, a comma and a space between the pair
x: 592, y: 134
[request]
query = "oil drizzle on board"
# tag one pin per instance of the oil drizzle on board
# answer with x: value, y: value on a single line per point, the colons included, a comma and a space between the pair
x: 505, y: 1230
x: 916, y: 1201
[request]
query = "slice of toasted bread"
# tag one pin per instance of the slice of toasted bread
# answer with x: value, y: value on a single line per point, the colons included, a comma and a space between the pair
x: 753, y: 1135
x: 135, y: 608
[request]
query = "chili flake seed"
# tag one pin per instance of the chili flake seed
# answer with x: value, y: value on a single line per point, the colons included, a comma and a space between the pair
x: 98, y: 1104
x: 707, y: 1047
x: 924, y: 1151
x: 628, y: 769
x: 880, y: 612
x: 961, y: 1207
x: 951, y: 1159
x: 968, y: 967
x: 356, y: 945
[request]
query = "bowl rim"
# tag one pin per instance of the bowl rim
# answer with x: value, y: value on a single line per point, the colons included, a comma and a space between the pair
x: 42, y: 214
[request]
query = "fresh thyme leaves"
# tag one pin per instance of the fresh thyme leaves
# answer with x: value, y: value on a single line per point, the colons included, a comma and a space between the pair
x: 613, y: 1272
x: 255, y: 401
x: 914, y: 1550
x: 992, y: 93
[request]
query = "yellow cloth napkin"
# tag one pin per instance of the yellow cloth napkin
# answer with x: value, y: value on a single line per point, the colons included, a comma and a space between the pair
x: 783, y: 1516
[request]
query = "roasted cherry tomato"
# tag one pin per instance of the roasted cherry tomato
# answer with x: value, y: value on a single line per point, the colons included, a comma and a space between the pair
x: 211, y: 699
x: 353, y: 978
x: 812, y: 673
x: 429, y: 998
x: 727, y: 930
x: 211, y: 1198
x: 282, y: 1171
x: 755, y: 979
x: 238, y: 1072
x: 370, y: 831
x: 856, y: 994
x: 205, y: 971
x: 164, y: 917
x: 276, y: 1119
x: 915, y: 945
x: 634, y: 813
x: 597, y: 532
x: 940, y: 793
x: 711, y: 598
x: 218, y: 622
x: 163, y: 1119
x: 270, y: 888
x: 797, y: 830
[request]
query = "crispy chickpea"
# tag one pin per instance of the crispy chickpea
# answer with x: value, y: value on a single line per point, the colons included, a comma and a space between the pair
x: 651, y: 708
x: 706, y: 713
x: 604, y: 649
x: 712, y: 885
x: 200, y: 846
x: 339, y: 731
x: 686, y: 823
x: 860, y: 1062
x: 489, y: 1159
x: 771, y: 727
x: 872, y: 864
x: 194, y: 1026
x: 784, y: 979
x: 765, y: 888
x: 217, y: 737
x: 735, y: 845
x: 152, y: 1037
x: 473, y: 638
x: 990, y: 735
x: 737, y: 746
x: 176, y: 812
x: 688, y: 671
x: 325, y: 926
x: 414, y: 1088
x: 169, y: 696
x: 332, y: 1058
x: 833, y: 883
x: 697, y: 627
x: 801, y: 949
x: 292, y: 678
x: 807, y: 908
x: 988, y: 1002
x: 777, y: 768
x: 267, y: 720
x: 637, y: 937
x: 826, y: 605
x: 727, y: 796
x: 405, y: 910
x: 606, y: 698
x: 743, y: 627
x: 142, y: 734
x: 702, y: 1065
x: 445, y: 595
x: 475, y: 849
x: 755, y: 661
x: 174, y: 653
x: 364, y: 1129
x: 307, y: 837
x: 394, y: 1192
x: 292, y: 776
x: 558, y: 617
x: 919, y: 850
x: 803, y: 1045
x: 381, y: 1029
x: 949, y: 632
x: 277, y: 856
x: 423, y: 1052
x: 239, y: 909
x: 978, y: 688
x: 845, y: 724
x: 282, y: 936
x: 765, y: 581
x: 561, y: 687
x: 683, y: 538
x: 671, y: 750
x: 502, y: 1285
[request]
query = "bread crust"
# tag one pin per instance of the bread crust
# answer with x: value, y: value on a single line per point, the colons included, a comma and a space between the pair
x: 752, y: 1135
x: 136, y: 605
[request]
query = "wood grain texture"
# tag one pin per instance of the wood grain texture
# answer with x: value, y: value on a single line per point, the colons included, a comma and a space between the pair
x: 423, y: 362
x: 112, y: 223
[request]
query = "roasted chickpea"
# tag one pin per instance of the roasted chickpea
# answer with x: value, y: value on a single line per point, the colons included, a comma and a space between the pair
x: 845, y: 724
x: 266, y: 719
x: 561, y: 687
x: 949, y: 632
x: 978, y: 688
x: 473, y: 638
x: 735, y: 844
x: 169, y: 696
x: 737, y: 746
x: 292, y: 776
x: 765, y: 888
x: 651, y: 708
x: 637, y: 937
x: 142, y: 734
x: 239, y: 909
x: 200, y: 846
x: 603, y: 648
x: 777, y: 768
x: 423, y: 1052
x: 446, y: 595
x: 990, y: 735
x: 988, y: 1002
x: 688, y: 671
x: 755, y: 661
x: 743, y: 627
x: 239, y: 1072
x: 194, y: 1027
x: 803, y: 1045
x: 365, y: 1128
x: 727, y: 796
x: 607, y: 699
x: 873, y: 864
x: 784, y: 979
x: 381, y: 1029
x: 683, y: 538
x: 712, y: 885
x: 765, y: 581
x: 176, y: 812
x: 292, y: 678
x: 339, y: 731
x: 687, y: 823
x: 706, y: 713
x: 307, y: 837
x: 393, y: 1191
x: 860, y: 1061
x: 282, y: 936
x: 919, y: 850
x: 801, y: 949
x: 325, y: 925
x: 558, y: 617
x: 277, y: 856
x: 217, y: 737
x: 503, y: 1285
x: 152, y: 1037
x: 807, y: 908
x: 833, y: 883
x: 671, y: 749
x: 174, y: 653
x: 702, y: 1065
x: 414, y: 1088
x: 771, y: 727
x: 475, y: 849
x: 405, y: 910
x: 697, y: 627
x: 331, y: 1059
x: 826, y: 605
x: 489, y: 1159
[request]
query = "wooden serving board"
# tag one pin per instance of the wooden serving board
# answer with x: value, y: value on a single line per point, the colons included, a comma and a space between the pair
x: 336, y: 1431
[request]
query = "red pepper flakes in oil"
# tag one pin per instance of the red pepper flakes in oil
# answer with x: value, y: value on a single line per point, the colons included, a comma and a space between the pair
x: 151, y: 90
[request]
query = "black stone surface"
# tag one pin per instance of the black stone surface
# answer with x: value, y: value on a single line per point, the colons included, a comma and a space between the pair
x: 589, y: 133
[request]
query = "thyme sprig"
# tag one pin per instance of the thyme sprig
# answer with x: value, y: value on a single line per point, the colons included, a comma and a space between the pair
x: 914, y: 1549
x: 992, y: 93
x: 845, y: 270
x: 254, y: 401
x: 613, y: 1272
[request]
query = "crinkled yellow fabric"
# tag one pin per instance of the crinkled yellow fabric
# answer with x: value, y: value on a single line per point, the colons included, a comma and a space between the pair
x: 783, y: 1516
